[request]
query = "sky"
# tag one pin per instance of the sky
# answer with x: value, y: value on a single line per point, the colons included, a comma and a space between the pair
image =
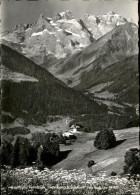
x: 28, y: 11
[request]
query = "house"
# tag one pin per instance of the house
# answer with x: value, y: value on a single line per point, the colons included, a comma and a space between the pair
x: 74, y: 130
x: 76, y: 127
x: 79, y: 126
x: 67, y: 134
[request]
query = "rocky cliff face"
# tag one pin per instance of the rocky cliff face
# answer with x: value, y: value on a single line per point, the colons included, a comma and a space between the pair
x: 102, y: 24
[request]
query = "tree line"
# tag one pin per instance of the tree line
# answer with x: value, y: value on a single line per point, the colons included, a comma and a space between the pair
x: 43, y: 149
x: 49, y: 96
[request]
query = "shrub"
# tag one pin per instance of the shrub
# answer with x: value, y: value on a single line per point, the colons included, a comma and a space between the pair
x: 6, y: 150
x: 105, y: 139
x: 113, y: 173
x: 66, y: 138
x: 132, y: 161
x: 134, y: 123
x: 72, y: 137
x: 90, y: 163
x: 47, y: 145
x: 22, y: 153
x: 7, y: 119
x: 16, y: 130
x: 62, y: 139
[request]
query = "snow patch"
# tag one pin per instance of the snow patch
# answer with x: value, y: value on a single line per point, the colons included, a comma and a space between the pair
x: 49, y: 18
x: 120, y: 23
x: 42, y: 32
x: 62, y: 14
x: 81, y: 45
x: 74, y: 34
x: 68, y: 31
x: 59, y: 30
x: 28, y: 29
x: 37, y: 34
x: 60, y: 55
x: 53, y: 24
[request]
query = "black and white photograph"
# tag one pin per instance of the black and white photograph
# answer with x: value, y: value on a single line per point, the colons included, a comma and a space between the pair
x: 69, y: 97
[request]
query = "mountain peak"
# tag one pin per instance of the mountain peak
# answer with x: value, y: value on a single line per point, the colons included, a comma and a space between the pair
x: 129, y: 26
x: 44, y: 19
x: 68, y: 11
x: 64, y: 15
x: 111, y: 13
x: 41, y: 16
x: 89, y: 16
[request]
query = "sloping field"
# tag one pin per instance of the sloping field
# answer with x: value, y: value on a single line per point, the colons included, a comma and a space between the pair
x: 8, y: 74
x: 106, y: 160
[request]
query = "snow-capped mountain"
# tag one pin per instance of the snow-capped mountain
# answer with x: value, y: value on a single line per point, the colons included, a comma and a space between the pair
x: 79, y: 52
x: 96, y: 55
x: 50, y: 39
x: 101, y: 24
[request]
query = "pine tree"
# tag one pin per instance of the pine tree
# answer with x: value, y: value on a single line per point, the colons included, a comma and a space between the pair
x: 15, y: 154
x: 105, y: 139
x: 23, y: 153
x: 6, y: 151
x: 39, y: 155
x: 132, y: 161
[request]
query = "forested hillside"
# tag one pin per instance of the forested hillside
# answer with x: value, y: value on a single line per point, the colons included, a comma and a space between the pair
x: 34, y: 101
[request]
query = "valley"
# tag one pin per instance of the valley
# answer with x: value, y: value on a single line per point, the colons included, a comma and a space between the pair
x: 70, y: 105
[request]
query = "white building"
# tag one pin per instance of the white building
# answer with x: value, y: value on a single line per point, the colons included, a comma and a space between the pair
x: 67, y: 134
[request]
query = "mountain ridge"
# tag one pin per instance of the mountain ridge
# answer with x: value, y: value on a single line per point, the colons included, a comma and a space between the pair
x: 116, y: 45
x: 61, y: 36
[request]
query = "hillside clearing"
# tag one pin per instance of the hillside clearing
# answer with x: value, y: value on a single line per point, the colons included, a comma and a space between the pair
x: 106, y: 160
